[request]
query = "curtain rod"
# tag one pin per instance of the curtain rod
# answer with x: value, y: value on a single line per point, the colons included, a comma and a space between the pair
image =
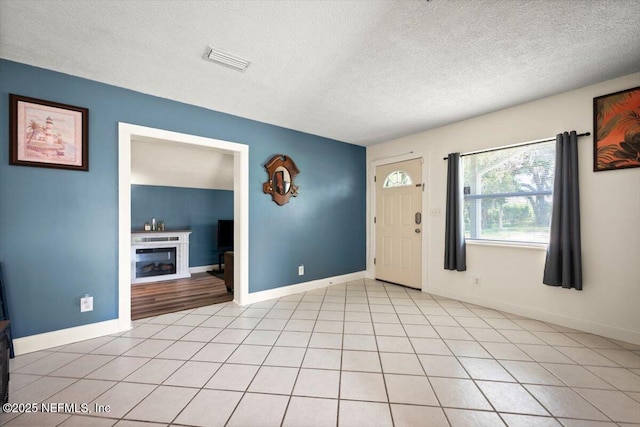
x: 522, y: 144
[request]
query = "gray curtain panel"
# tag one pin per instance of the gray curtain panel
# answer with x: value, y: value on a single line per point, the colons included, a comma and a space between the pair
x: 455, y: 251
x: 563, y: 266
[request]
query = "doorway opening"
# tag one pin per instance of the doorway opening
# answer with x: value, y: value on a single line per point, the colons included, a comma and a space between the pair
x: 397, y: 226
x: 240, y: 153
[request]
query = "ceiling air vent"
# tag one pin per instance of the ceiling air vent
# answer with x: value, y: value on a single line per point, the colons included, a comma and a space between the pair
x: 226, y: 59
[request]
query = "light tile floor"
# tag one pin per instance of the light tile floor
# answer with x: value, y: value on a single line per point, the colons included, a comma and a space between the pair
x: 363, y: 353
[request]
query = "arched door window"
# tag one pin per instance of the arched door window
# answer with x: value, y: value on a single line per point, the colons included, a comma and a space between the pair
x: 397, y: 179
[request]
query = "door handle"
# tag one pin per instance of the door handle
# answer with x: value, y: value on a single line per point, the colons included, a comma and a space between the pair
x: 418, y: 217
x: 417, y: 230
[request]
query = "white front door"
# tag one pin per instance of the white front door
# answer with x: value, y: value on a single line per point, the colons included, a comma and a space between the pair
x: 398, y: 223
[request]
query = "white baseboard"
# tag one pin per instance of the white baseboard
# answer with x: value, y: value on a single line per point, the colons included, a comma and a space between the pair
x: 202, y: 268
x: 284, y: 291
x: 608, y: 331
x: 60, y: 337
x: 67, y: 336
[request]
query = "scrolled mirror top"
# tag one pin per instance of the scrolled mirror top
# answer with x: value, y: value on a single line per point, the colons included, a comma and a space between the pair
x: 281, y: 171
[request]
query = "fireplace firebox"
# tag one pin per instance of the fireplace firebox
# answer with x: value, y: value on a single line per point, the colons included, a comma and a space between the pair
x: 155, y: 262
x: 161, y: 255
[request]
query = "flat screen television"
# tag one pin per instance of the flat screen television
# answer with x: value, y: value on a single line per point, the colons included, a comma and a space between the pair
x: 225, y: 234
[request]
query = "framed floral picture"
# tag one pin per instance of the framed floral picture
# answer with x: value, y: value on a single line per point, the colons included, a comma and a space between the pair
x: 616, y: 130
x: 48, y: 134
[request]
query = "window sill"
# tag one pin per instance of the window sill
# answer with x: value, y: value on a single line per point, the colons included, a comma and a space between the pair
x: 523, y: 245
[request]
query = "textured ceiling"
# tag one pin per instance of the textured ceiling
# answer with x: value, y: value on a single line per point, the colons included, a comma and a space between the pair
x: 357, y: 71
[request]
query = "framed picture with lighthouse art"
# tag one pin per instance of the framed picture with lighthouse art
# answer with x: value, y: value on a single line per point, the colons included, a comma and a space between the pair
x: 48, y: 134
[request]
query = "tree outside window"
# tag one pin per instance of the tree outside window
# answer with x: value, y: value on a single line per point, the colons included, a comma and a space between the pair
x: 508, y: 193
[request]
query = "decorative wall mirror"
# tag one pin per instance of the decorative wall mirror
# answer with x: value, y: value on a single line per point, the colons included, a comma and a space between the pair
x: 281, y: 170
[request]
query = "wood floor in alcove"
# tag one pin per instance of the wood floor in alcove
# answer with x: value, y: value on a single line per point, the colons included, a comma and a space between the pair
x: 153, y: 299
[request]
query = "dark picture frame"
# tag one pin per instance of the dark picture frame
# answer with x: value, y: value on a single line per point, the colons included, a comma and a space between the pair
x: 616, y: 130
x: 48, y: 134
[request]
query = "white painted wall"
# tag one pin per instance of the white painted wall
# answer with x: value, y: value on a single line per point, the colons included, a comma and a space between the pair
x: 511, y: 277
x: 172, y: 164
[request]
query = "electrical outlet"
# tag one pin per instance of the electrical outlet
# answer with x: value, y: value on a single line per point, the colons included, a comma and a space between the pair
x: 86, y: 304
x: 476, y: 281
x: 301, y: 270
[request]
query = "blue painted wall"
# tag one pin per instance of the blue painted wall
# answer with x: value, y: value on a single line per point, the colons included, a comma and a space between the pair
x: 192, y: 209
x: 59, y: 229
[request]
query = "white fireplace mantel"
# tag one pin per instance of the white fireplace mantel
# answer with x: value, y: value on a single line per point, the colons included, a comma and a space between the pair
x: 178, y: 239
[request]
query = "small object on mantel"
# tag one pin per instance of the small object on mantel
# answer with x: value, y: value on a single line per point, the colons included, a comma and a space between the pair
x: 147, y: 226
x: 160, y: 225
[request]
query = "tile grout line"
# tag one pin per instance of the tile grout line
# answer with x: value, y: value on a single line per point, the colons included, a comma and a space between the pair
x: 500, y: 364
x: 295, y: 381
x: 471, y: 377
x: 346, y: 288
x: 382, y: 373
x: 157, y: 386
x: 246, y: 390
x: 422, y: 366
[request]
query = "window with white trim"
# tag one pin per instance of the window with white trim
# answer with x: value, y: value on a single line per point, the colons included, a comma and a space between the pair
x: 507, y: 193
x: 397, y: 179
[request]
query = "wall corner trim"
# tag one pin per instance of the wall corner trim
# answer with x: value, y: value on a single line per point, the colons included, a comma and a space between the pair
x: 60, y: 337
